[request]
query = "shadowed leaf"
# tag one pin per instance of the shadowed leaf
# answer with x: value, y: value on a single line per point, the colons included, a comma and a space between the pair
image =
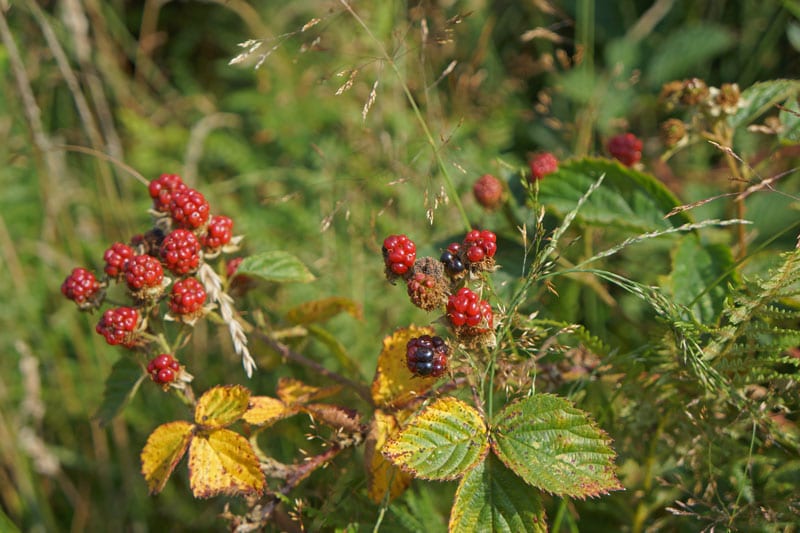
x: 393, y: 384
x: 490, y: 497
x: 382, y: 475
x: 322, y: 310
x: 121, y: 386
x: 294, y: 391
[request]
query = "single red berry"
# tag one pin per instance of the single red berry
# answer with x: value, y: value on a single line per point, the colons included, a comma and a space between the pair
x: 488, y: 191
x: 189, y: 209
x: 542, y: 164
x: 426, y: 356
x: 116, y: 257
x: 163, y: 369
x: 468, y: 313
x: 82, y: 288
x: 162, y: 188
x: 399, y: 254
x: 144, y: 273
x: 219, y: 233
x: 626, y: 148
x: 187, y: 298
x: 180, y: 251
x: 232, y: 266
x: 119, y: 325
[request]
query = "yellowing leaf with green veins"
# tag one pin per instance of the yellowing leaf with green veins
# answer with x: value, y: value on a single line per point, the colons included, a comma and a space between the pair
x: 294, y: 391
x: 221, y: 406
x: 445, y: 440
x: 164, y: 448
x: 555, y: 447
x: 382, y: 475
x: 264, y: 411
x: 321, y: 310
x: 490, y: 497
x: 393, y: 384
x: 223, y: 462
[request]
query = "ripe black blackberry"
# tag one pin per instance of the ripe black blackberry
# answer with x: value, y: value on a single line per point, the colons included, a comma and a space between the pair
x: 426, y: 356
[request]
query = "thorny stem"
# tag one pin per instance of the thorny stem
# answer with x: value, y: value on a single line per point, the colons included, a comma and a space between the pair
x: 288, y: 353
x: 417, y: 113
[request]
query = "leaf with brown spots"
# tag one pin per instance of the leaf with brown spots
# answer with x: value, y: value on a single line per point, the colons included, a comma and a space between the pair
x: 221, y: 406
x: 223, y: 462
x: 164, y: 448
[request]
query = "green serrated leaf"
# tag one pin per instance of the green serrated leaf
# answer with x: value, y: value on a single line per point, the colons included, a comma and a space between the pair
x: 121, y: 386
x: 627, y: 198
x: 700, y: 276
x: 555, y: 447
x: 446, y: 439
x: 490, y: 497
x: 760, y: 97
x: 278, y: 266
x: 676, y: 56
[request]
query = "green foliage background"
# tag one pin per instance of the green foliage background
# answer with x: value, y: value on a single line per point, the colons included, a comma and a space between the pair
x: 304, y: 169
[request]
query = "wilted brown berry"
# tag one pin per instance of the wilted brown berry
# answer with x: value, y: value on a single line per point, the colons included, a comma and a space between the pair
x: 673, y: 131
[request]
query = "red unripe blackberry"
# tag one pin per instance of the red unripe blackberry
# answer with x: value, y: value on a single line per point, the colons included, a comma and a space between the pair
x: 119, y: 325
x: 626, y: 148
x: 163, y: 369
x: 180, y: 251
x: 399, y: 254
x: 82, y: 288
x: 426, y: 356
x: 116, y: 257
x: 189, y: 209
x: 488, y: 191
x: 187, y: 298
x: 162, y: 188
x: 468, y: 313
x: 144, y: 273
x: 219, y: 233
x: 542, y: 164
x: 480, y: 246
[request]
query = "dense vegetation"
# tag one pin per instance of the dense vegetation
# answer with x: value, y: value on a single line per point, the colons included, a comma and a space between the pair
x: 341, y: 123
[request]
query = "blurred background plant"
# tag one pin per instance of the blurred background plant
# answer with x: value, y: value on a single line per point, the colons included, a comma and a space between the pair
x: 310, y: 141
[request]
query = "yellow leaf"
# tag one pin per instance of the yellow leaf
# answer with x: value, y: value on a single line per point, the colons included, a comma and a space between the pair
x: 293, y: 391
x: 394, y: 385
x: 382, y: 475
x: 264, y: 411
x: 223, y: 462
x: 164, y: 448
x: 221, y: 406
x: 321, y: 310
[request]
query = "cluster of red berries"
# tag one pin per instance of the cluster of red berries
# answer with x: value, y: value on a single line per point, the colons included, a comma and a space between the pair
x: 625, y: 148
x: 438, y: 284
x: 184, y: 234
x: 163, y: 369
x: 426, y: 356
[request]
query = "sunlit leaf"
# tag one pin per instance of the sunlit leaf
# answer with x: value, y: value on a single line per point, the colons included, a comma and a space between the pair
x: 553, y: 446
x: 121, y: 386
x: 382, y: 475
x: 276, y: 266
x: 393, y: 383
x: 322, y: 310
x: 446, y: 439
x: 223, y: 462
x: 490, y: 497
x: 264, y: 411
x: 221, y: 406
x: 294, y: 391
x: 627, y: 198
x: 164, y: 448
